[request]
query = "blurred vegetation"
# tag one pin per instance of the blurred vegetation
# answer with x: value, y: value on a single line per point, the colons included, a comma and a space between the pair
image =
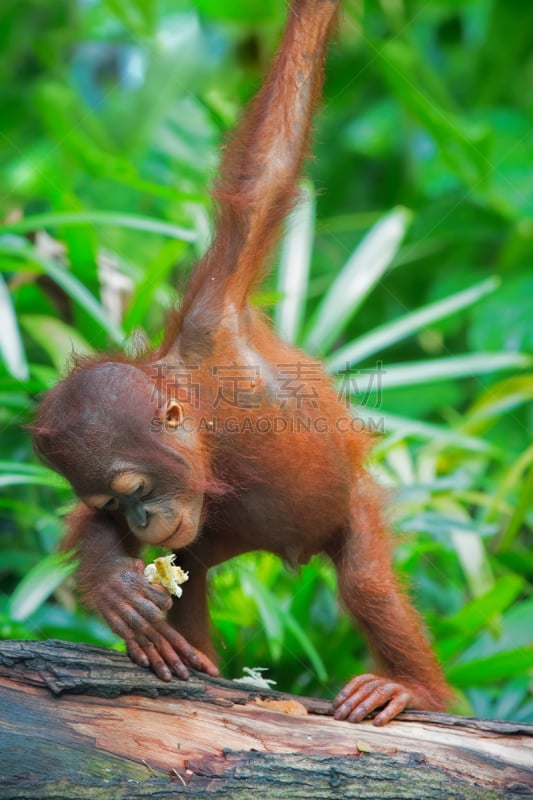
x: 113, y: 112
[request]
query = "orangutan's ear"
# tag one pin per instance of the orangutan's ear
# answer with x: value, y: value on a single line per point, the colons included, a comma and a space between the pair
x: 171, y: 414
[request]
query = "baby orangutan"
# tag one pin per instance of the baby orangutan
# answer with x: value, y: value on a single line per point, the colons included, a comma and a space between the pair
x: 160, y: 451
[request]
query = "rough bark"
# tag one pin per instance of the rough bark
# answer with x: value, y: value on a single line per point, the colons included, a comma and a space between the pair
x: 82, y: 722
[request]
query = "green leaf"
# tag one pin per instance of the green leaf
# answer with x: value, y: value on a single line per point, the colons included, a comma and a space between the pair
x: 463, y: 366
x: 276, y: 619
x: 307, y: 646
x: 478, y: 614
x: 11, y: 346
x: 497, y: 667
x: 293, y: 271
x: 503, y: 321
x: 357, y: 278
x: 255, y: 11
x: 270, y: 612
x: 38, y: 585
x: 56, y: 338
x: 155, y: 276
x: 108, y: 218
x: 406, y: 428
x: 45, y: 375
x: 12, y: 473
x: 520, y: 479
x: 473, y: 557
x: 138, y: 17
x: 465, y: 150
x: 393, y: 332
x: 66, y: 280
x: 500, y: 398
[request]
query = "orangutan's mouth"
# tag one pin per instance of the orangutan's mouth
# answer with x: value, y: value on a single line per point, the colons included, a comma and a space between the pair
x: 174, y: 532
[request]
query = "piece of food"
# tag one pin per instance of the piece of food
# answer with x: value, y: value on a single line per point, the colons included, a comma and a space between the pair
x: 253, y: 677
x: 163, y: 572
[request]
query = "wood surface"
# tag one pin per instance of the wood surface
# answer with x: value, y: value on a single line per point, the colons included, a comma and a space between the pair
x: 80, y: 721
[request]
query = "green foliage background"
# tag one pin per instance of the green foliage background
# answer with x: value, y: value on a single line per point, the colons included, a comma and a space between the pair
x: 112, y: 117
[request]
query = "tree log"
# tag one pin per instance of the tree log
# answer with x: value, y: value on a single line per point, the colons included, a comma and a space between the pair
x: 83, y: 722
